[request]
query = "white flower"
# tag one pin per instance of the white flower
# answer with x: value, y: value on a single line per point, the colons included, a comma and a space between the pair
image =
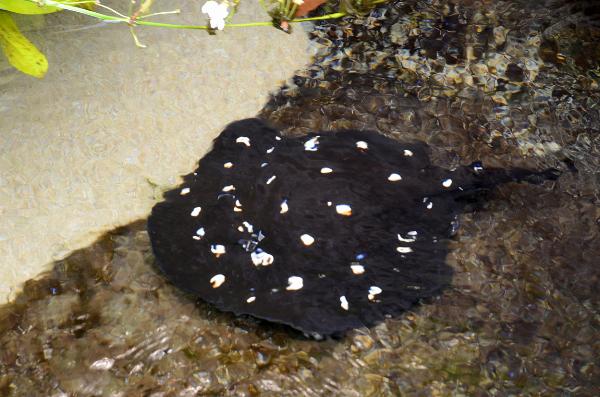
x: 217, y: 12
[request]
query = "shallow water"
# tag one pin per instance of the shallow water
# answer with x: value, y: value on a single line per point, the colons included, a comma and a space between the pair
x: 522, y: 314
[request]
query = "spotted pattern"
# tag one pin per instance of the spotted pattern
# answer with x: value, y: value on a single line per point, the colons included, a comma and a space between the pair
x: 334, y: 231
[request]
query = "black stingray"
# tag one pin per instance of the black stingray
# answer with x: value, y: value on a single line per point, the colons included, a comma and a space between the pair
x: 324, y: 233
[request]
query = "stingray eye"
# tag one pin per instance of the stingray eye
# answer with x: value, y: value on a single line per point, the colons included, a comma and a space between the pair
x: 217, y: 280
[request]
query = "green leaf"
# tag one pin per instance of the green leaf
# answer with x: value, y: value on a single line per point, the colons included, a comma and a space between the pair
x: 21, y: 53
x: 32, y: 7
x: 26, y: 7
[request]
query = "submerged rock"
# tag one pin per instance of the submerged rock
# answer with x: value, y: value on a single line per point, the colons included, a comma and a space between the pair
x: 324, y: 232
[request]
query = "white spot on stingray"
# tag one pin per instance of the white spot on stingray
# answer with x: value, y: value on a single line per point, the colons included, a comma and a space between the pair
x: 404, y: 250
x: 228, y: 165
x: 447, y: 182
x: 326, y: 170
x: 344, y: 303
x: 263, y: 165
x: 196, y: 211
x: 362, y: 145
x: 238, y: 206
x: 248, y: 226
x: 184, y: 191
x: 200, y: 232
x: 251, y: 299
x: 197, y: 237
x: 271, y: 179
x: 270, y: 150
x: 412, y: 233
x: 373, y: 290
x: 243, y: 139
x: 217, y: 249
x: 241, y: 229
x: 408, y: 153
x: 307, y: 239
x: 357, y: 269
x: 394, y: 177
x: 430, y: 205
x: 406, y: 240
x: 278, y: 138
x: 329, y: 203
x: 343, y: 209
x: 261, y: 258
x: 228, y: 188
x: 284, y: 207
x: 312, y: 144
x: 294, y: 283
x: 217, y: 280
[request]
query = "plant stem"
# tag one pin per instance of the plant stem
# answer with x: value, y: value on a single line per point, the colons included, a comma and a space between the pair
x: 110, y: 18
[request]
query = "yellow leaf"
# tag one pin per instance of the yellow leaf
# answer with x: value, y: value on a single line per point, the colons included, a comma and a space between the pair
x: 26, y: 7
x: 31, y: 8
x: 21, y: 53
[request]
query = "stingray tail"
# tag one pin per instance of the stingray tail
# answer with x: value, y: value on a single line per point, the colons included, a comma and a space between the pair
x: 477, y: 180
x: 495, y: 176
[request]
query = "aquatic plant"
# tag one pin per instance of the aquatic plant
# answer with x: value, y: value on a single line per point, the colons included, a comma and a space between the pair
x: 24, y: 56
x: 19, y: 51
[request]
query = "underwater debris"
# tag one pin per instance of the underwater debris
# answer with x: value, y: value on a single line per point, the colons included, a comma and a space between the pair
x: 302, y: 268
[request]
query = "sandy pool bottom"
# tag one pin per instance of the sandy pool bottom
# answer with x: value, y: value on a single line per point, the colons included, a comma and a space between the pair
x: 92, y: 145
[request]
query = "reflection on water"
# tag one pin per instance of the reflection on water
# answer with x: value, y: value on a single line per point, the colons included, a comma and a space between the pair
x: 522, y: 316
